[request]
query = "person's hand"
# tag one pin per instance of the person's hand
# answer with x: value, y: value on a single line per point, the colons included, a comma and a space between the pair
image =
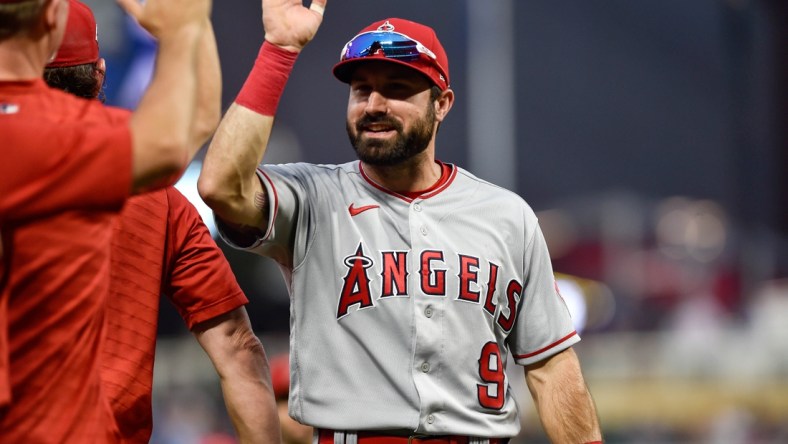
x: 289, y: 24
x: 160, y: 17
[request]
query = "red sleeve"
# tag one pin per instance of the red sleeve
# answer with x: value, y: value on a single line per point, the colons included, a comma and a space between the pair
x: 198, y: 279
x: 68, y: 166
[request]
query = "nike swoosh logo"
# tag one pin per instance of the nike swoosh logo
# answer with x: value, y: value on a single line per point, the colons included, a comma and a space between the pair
x: 356, y: 211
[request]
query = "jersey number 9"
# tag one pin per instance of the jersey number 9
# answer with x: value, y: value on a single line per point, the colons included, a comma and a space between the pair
x: 491, y: 372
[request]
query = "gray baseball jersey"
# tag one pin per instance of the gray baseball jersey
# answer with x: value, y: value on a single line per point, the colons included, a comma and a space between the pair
x: 404, y: 311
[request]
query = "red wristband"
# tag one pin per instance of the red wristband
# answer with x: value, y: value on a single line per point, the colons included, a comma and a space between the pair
x: 264, y: 85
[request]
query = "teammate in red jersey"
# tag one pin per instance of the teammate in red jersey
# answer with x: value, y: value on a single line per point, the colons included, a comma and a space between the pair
x: 161, y: 246
x: 68, y: 166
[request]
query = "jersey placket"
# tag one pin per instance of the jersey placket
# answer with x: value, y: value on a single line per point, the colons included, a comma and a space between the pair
x: 428, y: 317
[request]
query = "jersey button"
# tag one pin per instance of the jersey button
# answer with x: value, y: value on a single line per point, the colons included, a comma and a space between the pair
x: 428, y: 312
x: 423, y: 230
x: 416, y: 207
x: 425, y: 367
x: 430, y: 418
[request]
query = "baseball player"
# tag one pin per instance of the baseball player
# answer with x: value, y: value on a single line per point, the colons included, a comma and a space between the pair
x: 412, y: 281
x: 161, y: 246
x: 68, y: 166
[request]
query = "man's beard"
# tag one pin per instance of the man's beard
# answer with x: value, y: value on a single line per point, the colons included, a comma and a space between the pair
x: 404, y: 146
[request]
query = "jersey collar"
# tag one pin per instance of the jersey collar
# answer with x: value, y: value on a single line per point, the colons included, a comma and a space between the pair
x: 449, y: 172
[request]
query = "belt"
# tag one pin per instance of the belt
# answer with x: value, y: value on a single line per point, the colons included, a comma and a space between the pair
x: 370, y: 437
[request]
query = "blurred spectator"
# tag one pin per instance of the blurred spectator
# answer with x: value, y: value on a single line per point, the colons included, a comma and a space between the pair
x: 189, y: 415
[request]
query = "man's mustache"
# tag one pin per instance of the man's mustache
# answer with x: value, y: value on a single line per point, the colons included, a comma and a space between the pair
x: 368, y: 120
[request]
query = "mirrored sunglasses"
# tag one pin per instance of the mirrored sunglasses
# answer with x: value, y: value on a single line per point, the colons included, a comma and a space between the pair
x: 390, y: 44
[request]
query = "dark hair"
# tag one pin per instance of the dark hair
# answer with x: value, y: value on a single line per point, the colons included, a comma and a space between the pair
x: 86, y: 81
x: 19, y: 16
x: 435, y: 92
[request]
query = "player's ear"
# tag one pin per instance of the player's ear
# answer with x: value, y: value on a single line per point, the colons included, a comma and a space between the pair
x: 443, y: 104
x: 52, y: 22
x: 101, y: 70
x: 55, y: 13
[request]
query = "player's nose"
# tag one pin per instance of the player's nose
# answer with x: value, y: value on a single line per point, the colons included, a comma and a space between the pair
x: 376, y: 104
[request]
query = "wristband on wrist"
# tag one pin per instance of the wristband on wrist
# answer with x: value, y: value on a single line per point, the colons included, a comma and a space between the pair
x: 266, y: 81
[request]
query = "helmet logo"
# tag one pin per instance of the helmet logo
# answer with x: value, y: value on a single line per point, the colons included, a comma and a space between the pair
x: 386, y: 26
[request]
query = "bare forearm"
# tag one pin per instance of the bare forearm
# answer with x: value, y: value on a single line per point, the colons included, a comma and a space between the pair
x: 249, y: 399
x: 228, y: 182
x: 209, y: 87
x: 162, y: 122
x: 239, y: 359
x: 565, y: 406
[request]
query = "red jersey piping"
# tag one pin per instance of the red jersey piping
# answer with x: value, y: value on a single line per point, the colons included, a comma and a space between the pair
x: 543, y: 349
x: 449, y: 180
x: 274, y: 207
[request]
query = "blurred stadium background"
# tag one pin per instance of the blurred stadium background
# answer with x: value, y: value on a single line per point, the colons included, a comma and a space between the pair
x: 650, y: 137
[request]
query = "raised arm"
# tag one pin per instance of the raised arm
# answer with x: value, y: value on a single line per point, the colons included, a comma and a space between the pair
x: 239, y: 359
x: 565, y: 406
x: 209, y: 88
x: 163, y: 123
x: 228, y: 182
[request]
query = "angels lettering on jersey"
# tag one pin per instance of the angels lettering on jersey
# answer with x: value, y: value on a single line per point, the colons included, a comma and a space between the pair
x: 358, y: 291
